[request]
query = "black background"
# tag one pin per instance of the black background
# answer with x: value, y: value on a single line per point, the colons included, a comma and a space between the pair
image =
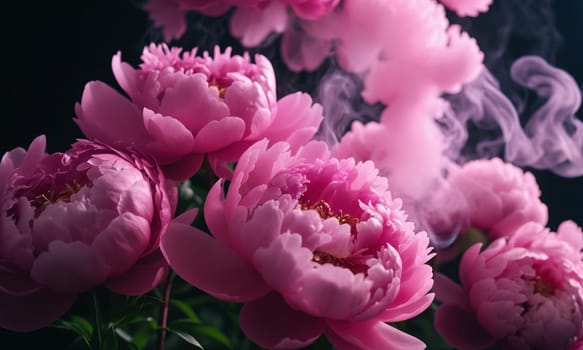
x: 51, y: 49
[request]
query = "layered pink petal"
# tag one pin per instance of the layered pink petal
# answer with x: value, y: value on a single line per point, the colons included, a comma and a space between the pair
x: 123, y: 242
x: 183, y: 169
x: 169, y: 139
x: 225, y: 275
x: 168, y: 15
x: 272, y: 324
x: 302, y: 51
x: 230, y: 129
x: 101, y: 108
x: 142, y: 277
x: 450, y: 319
x: 252, y: 25
x: 46, y: 306
x: 69, y: 267
x: 296, y: 121
x: 370, y: 335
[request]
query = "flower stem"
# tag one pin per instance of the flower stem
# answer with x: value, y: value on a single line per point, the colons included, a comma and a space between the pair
x: 164, y: 310
x: 96, y: 316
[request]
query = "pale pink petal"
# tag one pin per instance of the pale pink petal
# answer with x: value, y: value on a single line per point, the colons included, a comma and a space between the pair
x: 69, y: 267
x: 230, y: 129
x: 126, y: 76
x: 14, y: 282
x: 447, y: 291
x: 301, y: 51
x: 333, y: 292
x: 296, y: 121
x: 107, y: 116
x: 219, y: 272
x: 187, y: 217
x: 214, y: 214
x: 192, y: 102
x: 253, y: 25
x: 408, y: 310
x: 123, y: 242
x: 285, y: 254
x: 46, y: 306
x: 272, y: 324
x: 142, y: 277
x: 371, y: 335
x: 167, y: 15
x: 169, y: 138
x: 185, y: 168
x: 450, y: 319
x: 468, y: 7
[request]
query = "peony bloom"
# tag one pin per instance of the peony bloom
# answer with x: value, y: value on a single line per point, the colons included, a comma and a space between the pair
x: 499, y: 197
x: 521, y: 292
x: 252, y: 20
x: 470, y: 8
x: 72, y: 221
x: 184, y: 107
x: 312, y: 245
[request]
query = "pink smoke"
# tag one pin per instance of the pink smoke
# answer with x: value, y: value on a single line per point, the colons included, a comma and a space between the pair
x: 551, y: 139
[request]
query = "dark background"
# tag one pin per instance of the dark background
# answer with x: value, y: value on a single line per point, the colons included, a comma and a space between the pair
x: 51, y: 49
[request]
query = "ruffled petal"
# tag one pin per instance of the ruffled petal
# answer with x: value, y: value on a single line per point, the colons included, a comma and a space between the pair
x: 407, y: 311
x: 252, y: 26
x: 34, y: 311
x: 272, y: 324
x: 230, y: 129
x: 185, y: 168
x: 69, y: 267
x: 450, y: 319
x: 302, y: 51
x: 107, y: 116
x: 206, y: 264
x: 370, y: 335
x: 142, y: 277
x: 447, y: 291
x: 296, y: 121
x: 170, y: 139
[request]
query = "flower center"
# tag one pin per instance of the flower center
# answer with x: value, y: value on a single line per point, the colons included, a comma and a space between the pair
x: 325, y: 211
x: 324, y: 258
x: 51, y: 196
x: 543, y: 287
x: 222, y: 88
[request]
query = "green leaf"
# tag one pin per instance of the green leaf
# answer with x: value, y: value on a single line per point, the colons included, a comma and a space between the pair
x: 78, y: 325
x: 109, y: 340
x: 186, y: 337
x: 186, y: 310
x: 141, y: 338
x: 125, y: 336
x: 187, y: 326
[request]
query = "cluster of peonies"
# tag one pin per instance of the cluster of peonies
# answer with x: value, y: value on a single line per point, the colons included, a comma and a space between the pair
x: 102, y: 212
x: 314, y: 239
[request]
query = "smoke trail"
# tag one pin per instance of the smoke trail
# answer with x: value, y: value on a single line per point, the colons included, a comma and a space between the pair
x: 512, y: 29
x: 555, y: 133
x: 482, y: 122
x: 339, y: 93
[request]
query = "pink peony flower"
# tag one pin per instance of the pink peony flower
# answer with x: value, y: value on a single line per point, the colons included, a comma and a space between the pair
x: 252, y: 20
x: 311, y: 245
x: 72, y: 221
x: 521, y: 292
x: 184, y: 107
x: 498, y: 197
x: 468, y: 7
